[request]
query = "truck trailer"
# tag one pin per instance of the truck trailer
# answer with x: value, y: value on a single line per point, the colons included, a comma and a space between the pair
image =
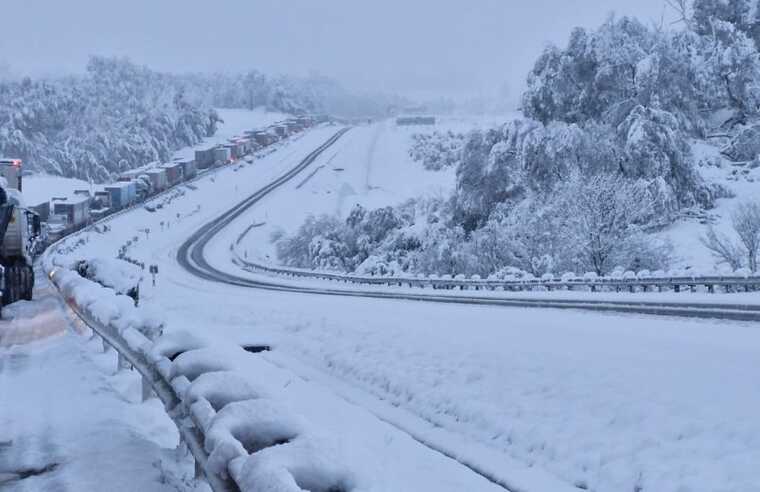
x: 119, y: 193
x: 158, y: 179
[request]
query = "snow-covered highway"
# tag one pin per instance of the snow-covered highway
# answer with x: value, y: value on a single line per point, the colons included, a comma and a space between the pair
x: 534, y: 399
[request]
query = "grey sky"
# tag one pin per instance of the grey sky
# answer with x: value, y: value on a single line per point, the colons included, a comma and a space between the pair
x: 408, y: 46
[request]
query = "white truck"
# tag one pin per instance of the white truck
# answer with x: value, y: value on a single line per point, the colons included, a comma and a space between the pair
x: 20, y: 232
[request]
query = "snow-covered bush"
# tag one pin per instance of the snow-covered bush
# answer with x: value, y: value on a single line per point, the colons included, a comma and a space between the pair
x: 121, y: 276
x: 745, y: 145
x: 744, y: 251
x: 437, y: 150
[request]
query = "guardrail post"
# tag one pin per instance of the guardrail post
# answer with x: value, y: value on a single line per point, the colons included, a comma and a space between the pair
x: 676, y: 288
x: 711, y: 289
x: 147, y: 390
x: 105, y: 345
x: 122, y: 363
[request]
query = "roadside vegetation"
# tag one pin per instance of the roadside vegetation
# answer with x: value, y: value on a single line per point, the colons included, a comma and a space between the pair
x: 603, y: 156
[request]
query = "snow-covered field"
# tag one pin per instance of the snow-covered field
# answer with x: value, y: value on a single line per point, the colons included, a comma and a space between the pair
x: 537, y: 398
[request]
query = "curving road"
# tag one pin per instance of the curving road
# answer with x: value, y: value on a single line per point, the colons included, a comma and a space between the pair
x: 191, y: 257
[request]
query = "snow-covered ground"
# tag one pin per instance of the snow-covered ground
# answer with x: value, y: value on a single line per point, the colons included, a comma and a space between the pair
x: 602, y: 402
x: 68, y: 420
x: 685, y: 234
x: 369, y: 166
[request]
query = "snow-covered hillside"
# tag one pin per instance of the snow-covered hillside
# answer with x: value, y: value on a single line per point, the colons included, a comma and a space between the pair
x: 743, y: 181
x: 595, y: 401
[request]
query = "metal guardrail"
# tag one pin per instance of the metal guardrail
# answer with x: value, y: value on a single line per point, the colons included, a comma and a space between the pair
x: 154, y: 382
x: 645, y: 284
x: 222, y: 428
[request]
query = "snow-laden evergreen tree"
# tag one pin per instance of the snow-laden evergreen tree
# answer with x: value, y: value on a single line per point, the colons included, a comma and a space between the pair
x: 116, y: 117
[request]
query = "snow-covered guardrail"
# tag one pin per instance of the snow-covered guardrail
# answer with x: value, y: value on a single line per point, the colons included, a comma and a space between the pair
x: 629, y: 282
x: 241, y: 437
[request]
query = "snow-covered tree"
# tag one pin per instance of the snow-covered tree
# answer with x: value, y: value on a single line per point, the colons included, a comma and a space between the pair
x: 745, y: 251
x: 603, y: 213
x: 117, y: 116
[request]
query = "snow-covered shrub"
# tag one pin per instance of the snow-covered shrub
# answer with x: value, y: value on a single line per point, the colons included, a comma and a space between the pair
x: 121, y: 276
x: 744, y: 251
x: 437, y: 150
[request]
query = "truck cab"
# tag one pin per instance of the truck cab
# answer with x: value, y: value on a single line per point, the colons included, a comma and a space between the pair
x: 20, y: 232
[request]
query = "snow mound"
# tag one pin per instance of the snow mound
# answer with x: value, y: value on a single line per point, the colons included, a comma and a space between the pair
x: 246, y: 427
x: 117, y: 274
x: 193, y: 363
x: 306, y: 463
x: 221, y: 388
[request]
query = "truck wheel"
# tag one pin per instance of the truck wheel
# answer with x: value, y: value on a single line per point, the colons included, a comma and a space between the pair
x: 28, y: 275
x: 18, y: 284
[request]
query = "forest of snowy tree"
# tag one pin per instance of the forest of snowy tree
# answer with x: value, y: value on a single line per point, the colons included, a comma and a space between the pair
x: 119, y: 115
x: 115, y: 117
x: 602, y: 156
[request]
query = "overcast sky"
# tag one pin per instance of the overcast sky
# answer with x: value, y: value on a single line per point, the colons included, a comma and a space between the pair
x: 406, y: 46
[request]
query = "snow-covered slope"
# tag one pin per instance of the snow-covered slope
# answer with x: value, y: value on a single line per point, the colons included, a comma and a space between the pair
x: 601, y: 402
x: 741, y: 179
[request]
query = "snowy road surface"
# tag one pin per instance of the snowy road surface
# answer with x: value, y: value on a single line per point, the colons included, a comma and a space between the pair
x: 26, y: 321
x: 603, y: 402
x: 67, y: 422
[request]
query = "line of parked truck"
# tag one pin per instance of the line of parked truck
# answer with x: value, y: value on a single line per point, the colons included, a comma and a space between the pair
x: 25, y: 231
x: 66, y: 214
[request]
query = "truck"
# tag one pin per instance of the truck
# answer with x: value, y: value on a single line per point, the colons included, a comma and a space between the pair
x: 158, y: 179
x: 119, y: 194
x: 173, y: 173
x: 222, y: 155
x: 20, y: 232
x: 75, y: 208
